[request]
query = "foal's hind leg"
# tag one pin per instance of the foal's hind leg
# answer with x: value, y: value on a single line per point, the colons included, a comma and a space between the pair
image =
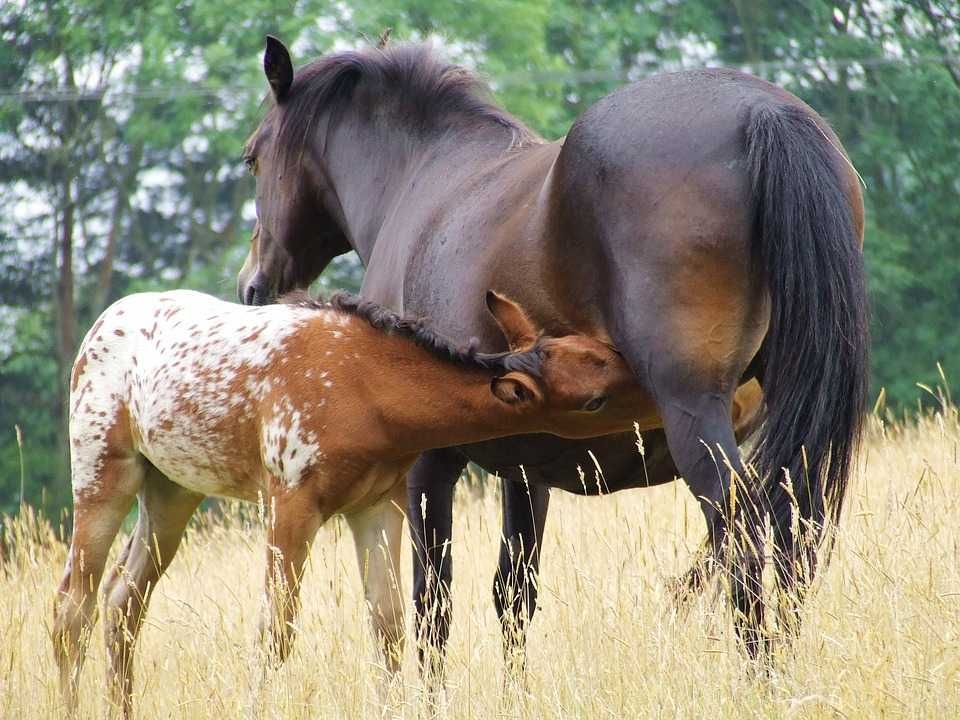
x: 100, y: 505
x: 164, y: 510
x: 377, y: 533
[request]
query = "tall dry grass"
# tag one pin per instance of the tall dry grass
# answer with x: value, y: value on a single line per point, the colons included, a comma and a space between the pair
x: 881, y: 638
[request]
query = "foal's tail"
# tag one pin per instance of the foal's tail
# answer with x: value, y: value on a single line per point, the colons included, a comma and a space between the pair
x: 815, y: 356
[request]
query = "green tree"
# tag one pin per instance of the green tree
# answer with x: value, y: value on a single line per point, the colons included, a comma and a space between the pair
x: 122, y: 125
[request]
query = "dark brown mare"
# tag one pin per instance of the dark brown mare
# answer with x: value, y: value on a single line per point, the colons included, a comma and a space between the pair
x: 707, y: 222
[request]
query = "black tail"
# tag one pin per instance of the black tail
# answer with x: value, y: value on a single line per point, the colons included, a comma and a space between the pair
x: 815, y: 355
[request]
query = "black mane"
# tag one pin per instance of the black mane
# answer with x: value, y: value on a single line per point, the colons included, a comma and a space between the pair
x: 429, y: 93
x: 417, y: 330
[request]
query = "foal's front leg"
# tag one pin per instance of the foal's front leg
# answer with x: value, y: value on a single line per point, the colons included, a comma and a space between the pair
x: 377, y: 533
x: 293, y: 518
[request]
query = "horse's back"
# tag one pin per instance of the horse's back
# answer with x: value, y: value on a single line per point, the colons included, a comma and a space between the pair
x: 680, y: 119
x: 676, y: 143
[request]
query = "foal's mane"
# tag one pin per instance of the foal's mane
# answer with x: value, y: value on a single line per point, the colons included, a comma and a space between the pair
x: 429, y: 93
x: 417, y: 329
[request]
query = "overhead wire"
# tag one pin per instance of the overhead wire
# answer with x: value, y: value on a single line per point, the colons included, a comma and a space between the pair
x: 510, y: 79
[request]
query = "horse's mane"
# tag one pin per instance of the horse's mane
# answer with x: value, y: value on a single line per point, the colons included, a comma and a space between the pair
x: 429, y: 93
x: 418, y: 330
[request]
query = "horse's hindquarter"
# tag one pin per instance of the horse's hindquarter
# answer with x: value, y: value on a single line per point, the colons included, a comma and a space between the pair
x: 656, y: 174
x: 99, y: 419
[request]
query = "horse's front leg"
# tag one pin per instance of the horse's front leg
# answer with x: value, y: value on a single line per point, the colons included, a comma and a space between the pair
x: 524, y: 509
x: 377, y: 533
x: 430, y: 487
x: 293, y: 518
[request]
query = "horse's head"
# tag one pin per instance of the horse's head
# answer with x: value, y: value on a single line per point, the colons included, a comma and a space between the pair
x: 297, y: 232
x: 580, y: 384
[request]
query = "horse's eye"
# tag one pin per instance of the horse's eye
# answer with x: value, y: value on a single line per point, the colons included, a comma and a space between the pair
x: 251, y: 163
x: 595, y: 404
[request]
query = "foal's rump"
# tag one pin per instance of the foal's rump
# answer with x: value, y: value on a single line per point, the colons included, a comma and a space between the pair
x: 177, y: 377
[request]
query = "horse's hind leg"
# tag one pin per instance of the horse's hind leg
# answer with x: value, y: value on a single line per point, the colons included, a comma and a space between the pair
x: 377, y: 533
x: 101, y: 503
x: 700, y: 434
x: 692, y: 358
x: 746, y: 412
x: 164, y: 510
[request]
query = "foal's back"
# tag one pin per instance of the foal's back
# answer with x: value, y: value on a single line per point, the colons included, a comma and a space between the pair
x: 199, y: 387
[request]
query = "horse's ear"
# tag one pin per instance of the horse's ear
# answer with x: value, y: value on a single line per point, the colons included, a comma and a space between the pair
x: 278, y: 68
x: 513, y: 321
x: 515, y: 388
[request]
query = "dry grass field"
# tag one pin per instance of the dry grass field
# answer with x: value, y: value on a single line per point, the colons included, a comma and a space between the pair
x: 882, y: 637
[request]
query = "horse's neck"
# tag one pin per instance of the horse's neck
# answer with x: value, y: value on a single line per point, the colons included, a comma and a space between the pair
x: 377, y: 172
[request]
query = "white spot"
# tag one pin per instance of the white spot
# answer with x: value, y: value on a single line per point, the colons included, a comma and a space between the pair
x: 288, y: 449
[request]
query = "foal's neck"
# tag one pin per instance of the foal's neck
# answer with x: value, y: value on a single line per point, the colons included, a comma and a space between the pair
x: 424, y: 401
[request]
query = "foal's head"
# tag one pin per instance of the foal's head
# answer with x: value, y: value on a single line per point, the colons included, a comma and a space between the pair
x: 580, y: 385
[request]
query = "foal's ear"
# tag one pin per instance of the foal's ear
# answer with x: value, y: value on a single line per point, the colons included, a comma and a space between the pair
x: 277, y: 67
x: 513, y: 321
x: 515, y: 388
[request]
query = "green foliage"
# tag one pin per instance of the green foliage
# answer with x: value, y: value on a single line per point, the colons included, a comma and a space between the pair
x: 139, y: 112
x: 28, y: 377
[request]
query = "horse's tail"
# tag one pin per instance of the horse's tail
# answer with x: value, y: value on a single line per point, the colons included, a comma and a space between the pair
x: 814, y: 359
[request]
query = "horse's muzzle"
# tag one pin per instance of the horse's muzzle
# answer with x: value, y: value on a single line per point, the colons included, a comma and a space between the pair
x: 256, y: 291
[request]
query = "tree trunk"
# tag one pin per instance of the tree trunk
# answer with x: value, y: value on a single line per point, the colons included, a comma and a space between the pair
x: 66, y: 322
x: 125, y: 185
x: 64, y: 312
x: 64, y: 307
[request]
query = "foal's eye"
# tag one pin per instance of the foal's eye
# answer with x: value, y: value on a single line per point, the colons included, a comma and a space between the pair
x: 595, y: 404
x: 251, y: 164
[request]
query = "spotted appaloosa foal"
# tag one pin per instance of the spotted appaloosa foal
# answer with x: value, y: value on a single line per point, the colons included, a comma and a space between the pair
x: 314, y: 409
